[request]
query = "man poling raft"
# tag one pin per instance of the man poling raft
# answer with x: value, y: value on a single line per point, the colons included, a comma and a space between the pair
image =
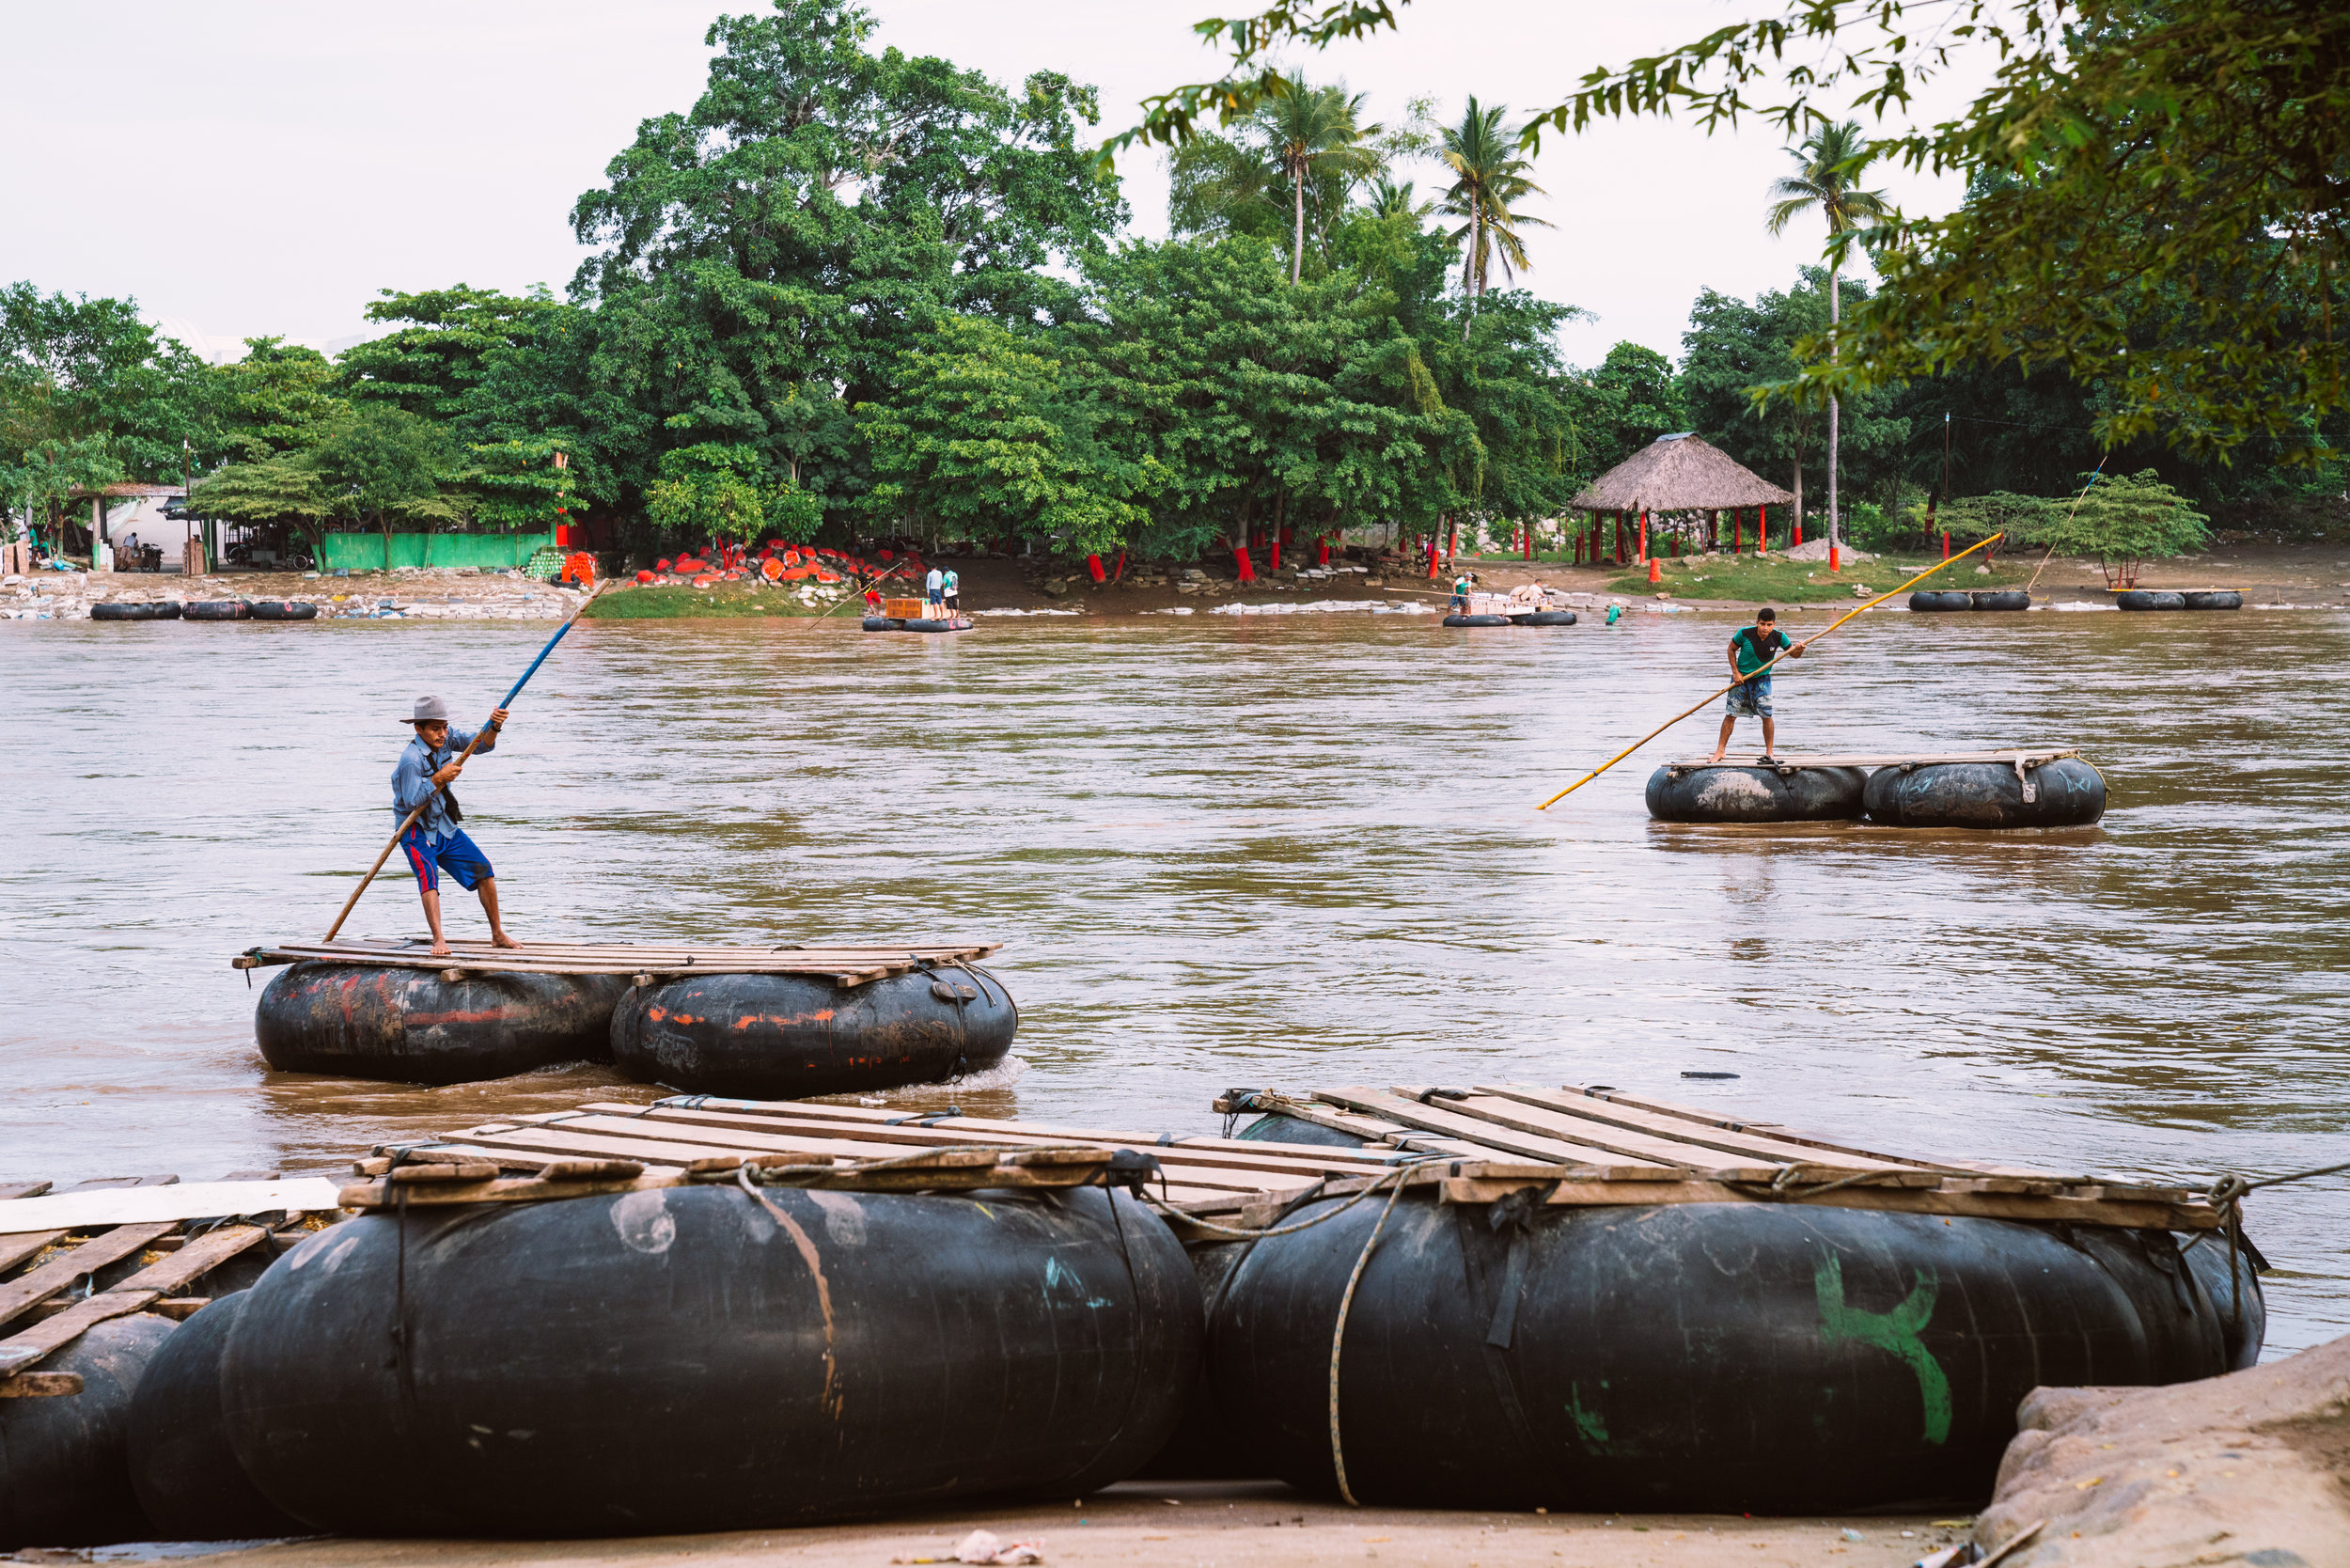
x: 428, y: 813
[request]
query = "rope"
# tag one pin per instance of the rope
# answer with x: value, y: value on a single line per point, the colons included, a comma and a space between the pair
x: 1338, y: 1334
x: 1765, y: 669
x: 2068, y: 517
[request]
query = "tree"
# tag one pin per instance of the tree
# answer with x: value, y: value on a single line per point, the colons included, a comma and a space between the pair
x: 89, y: 390
x: 815, y: 214
x: 1304, y: 144
x: 281, y: 492
x: 429, y: 365
x: 2124, y: 520
x: 2173, y: 223
x: 1827, y: 162
x: 979, y: 438
x: 1489, y: 178
x: 718, y: 492
x: 385, y: 465
x: 277, y: 398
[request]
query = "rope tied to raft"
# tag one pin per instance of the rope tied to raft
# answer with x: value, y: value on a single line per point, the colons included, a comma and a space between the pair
x: 1346, y: 1303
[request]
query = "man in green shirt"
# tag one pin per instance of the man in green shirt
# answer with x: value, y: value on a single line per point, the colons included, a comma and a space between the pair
x: 1750, y: 650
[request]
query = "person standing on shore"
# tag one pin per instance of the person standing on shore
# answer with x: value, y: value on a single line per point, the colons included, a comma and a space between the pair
x: 1750, y: 648
x: 433, y: 842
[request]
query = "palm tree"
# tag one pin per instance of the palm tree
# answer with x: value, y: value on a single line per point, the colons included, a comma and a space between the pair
x: 1828, y: 163
x: 1489, y: 178
x: 1317, y: 134
x: 1302, y: 140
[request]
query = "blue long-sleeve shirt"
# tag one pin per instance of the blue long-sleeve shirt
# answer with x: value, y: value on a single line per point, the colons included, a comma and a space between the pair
x: 412, y: 781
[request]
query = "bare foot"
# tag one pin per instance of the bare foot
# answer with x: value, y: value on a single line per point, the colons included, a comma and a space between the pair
x: 1715, y: 758
x: 440, y: 949
x: 499, y: 939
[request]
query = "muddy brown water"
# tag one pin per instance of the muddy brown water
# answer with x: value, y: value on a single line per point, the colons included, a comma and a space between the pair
x: 1238, y: 850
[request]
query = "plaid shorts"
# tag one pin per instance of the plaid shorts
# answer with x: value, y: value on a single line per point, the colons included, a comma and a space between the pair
x: 1749, y: 699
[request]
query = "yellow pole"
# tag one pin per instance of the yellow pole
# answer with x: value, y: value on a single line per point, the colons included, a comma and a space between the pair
x: 1806, y: 643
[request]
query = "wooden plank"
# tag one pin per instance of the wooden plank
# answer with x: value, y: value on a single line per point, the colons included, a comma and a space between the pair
x: 1501, y: 1139
x: 15, y: 1248
x: 22, y: 1189
x: 191, y: 1262
x: 86, y: 1207
x: 1228, y: 1154
x: 1713, y: 1119
x: 39, y: 1385
x: 1549, y: 1108
x: 2033, y: 757
x: 1393, y: 1134
x: 1945, y: 1198
x: 59, y: 1274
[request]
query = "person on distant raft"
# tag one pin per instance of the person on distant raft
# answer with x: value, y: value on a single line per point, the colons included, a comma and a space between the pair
x: 952, y: 586
x: 1461, y: 593
x: 1750, y: 648
x: 935, y: 587
x: 872, y: 601
x: 434, y: 843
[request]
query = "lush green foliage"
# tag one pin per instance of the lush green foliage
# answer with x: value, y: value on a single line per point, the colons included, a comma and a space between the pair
x: 2164, y: 214
x: 2121, y: 520
x: 1490, y: 178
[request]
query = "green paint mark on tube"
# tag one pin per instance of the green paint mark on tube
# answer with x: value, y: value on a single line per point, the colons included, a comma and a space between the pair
x: 1895, y: 1332
x: 1588, y: 1422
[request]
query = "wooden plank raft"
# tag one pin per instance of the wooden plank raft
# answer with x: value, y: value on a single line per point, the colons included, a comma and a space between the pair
x: 42, y: 1270
x: 2026, y: 758
x: 1583, y: 1146
x: 850, y: 965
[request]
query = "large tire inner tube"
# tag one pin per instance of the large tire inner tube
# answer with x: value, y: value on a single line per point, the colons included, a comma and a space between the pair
x: 1941, y: 599
x: 1274, y: 1127
x: 284, y: 609
x: 694, y: 1358
x: 2002, y: 599
x: 885, y: 623
x: 1755, y: 794
x: 1707, y: 1357
x: 2150, y: 599
x: 124, y: 612
x: 2213, y: 599
x: 189, y: 1483
x: 960, y: 623
x: 1551, y: 618
x: 1477, y: 620
x: 214, y: 609
x: 785, y: 1037
x: 65, y: 1468
x: 2067, y: 792
x: 409, y: 1026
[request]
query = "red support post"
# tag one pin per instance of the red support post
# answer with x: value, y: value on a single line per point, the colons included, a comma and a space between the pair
x: 1946, y: 544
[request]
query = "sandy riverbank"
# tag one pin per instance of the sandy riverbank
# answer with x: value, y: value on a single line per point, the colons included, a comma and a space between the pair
x: 1262, y: 1525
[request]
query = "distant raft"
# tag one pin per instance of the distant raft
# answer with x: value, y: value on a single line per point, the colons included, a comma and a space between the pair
x: 1757, y: 792
x: 786, y: 1037
x: 1457, y: 619
x: 2002, y: 599
x: 417, y: 1025
x: 2181, y: 598
x: 916, y: 624
x: 2065, y: 791
x: 160, y: 609
x: 1941, y: 599
x: 215, y: 609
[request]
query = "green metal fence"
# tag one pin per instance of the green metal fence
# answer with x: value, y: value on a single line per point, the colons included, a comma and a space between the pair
x: 365, y: 552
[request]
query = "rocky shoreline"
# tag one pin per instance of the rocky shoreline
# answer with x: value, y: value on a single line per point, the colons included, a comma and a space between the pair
x: 407, y: 593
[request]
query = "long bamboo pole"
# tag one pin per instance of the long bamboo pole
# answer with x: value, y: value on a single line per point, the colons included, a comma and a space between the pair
x: 1797, y: 649
x: 410, y: 821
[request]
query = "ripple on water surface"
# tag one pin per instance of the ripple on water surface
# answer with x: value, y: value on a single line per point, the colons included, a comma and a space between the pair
x: 1221, y: 852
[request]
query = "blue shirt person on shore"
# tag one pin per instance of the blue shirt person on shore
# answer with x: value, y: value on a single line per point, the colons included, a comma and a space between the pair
x: 433, y: 842
x: 1751, y: 650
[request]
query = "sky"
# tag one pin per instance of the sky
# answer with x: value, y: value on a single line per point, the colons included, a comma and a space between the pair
x: 245, y: 168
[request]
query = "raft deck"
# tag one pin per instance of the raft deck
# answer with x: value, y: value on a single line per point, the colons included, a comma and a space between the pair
x: 1575, y: 1146
x: 2030, y: 757
x: 152, y: 1238
x: 842, y: 966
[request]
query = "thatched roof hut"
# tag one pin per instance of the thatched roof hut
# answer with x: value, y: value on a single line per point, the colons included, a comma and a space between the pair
x: 1679, y: 472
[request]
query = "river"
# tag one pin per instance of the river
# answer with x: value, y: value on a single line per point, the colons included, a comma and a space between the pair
x: 1295, y: 851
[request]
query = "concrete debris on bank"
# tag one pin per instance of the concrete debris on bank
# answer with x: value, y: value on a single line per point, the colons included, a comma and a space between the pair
x: 428, y: 596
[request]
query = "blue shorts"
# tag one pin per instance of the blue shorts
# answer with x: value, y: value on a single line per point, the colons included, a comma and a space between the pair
x: 1750, y: 698
x: 456, y: 855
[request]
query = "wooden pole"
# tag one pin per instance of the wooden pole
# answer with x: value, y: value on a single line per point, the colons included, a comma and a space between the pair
x: 1709, y: 697
x: 410, y: 821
